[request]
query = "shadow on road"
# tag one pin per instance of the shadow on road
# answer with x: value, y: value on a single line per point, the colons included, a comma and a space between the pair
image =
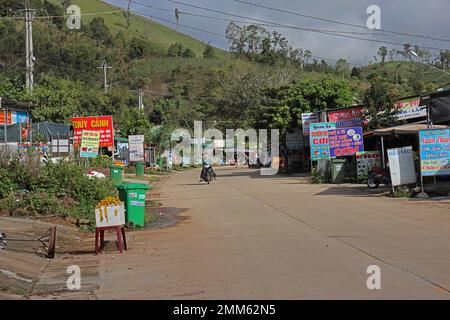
x: 353, y: 191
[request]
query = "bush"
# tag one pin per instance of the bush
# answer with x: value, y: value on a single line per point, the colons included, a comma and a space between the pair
x: 60, y: 189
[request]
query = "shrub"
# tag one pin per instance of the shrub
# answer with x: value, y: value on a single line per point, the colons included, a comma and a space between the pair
x: 60, y: 189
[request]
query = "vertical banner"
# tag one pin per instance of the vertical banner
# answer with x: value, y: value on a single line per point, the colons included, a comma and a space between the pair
x: 90, y: 141
x: 136, y: 148
x: 318, y: 139
x: 401, y: 165
x: 346, y: 141
x: 434, y: 152
x: 365, y: 161
x: 308, y: 118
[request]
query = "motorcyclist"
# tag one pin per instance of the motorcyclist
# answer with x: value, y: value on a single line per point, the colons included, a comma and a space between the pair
x: 206, y: 165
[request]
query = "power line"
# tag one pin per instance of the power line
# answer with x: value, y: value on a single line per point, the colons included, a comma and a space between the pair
x: 63, y: 16
x: 329, y: 32
x: 183, y: 25
x: 248, y: 22
x: 337, y: 22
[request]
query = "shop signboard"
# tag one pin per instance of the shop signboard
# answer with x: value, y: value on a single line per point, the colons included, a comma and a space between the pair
x: 103, y: 124
x: 401, y: 166
x: 345, y: 118
x: 365, y: 161
x: 434, y: 152
x: 13, y: 117
x: 136, y: 148
x: 89, y: 144
x: 345, y: 141
x: 308, y: 118
x: 410, y: 108
x: 318, y: 139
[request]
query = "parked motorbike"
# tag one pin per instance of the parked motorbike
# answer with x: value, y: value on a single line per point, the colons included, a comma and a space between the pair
x: 378, y: 176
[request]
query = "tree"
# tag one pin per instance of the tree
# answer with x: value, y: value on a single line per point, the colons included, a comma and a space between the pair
x: 175, y: 50
x: 382, y: 53
x: 392, y: 54
x: 356, y: 72
x: 99, y: 31
x: 342, y: 67
x: 407, y: 50
x: 282, y: 107
x: 379, y: 100
x: 208, y: 53
x: 188, y: 53
x: 138, y: 48
x: 444, y: 58
x: 55, y: 100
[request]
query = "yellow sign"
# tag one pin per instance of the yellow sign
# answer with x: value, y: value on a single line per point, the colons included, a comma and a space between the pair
x: 90, y: 141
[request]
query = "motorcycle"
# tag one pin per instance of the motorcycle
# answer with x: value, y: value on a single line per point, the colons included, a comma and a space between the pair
x: 378, y: 176
x: 208, y: 174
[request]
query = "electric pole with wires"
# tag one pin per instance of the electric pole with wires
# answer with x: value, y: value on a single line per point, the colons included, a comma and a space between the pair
x: 29, y: 15
x: 105, y: 67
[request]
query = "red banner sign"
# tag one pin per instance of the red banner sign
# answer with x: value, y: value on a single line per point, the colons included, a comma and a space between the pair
x: 345, y: 118
x: 104, y: 124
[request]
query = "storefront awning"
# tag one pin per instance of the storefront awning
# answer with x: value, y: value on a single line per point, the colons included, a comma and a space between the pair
x: 411, y: 129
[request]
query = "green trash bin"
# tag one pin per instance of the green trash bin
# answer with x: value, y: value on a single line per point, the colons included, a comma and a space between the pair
x: 133, y: 196
x: 115, y: 173
x: 337, y: 170
x: 140, y: 169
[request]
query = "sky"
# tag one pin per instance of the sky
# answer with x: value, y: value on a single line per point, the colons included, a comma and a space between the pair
x: 427, y: 18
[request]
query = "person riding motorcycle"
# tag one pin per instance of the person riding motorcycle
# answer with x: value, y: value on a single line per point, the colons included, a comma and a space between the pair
x: 206, y: 165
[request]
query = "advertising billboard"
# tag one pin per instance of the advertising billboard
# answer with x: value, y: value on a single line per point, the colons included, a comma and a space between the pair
x: 346, y: 118
x: 345, y: 141
x: 103, y: 124
x: 308, y: 118
x: 318, y: 139
x: 434, y: 152
x: 136, y: 148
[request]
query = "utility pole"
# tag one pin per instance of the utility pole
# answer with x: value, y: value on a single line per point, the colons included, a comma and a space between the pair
x: 29, y: 56
x: 105, y: 67
x: 177, y: 16
x: 141, y: 93
x: 140, y: 97
x: 128, y: 13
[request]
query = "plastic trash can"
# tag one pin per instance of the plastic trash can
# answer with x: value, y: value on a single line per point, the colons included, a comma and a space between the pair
x: 337, y: 170
x: 116, y: 174
x: 140, y: 169
x: 133, y: 196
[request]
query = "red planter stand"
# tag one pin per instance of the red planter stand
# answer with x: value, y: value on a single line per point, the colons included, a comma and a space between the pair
x: 100, y: 233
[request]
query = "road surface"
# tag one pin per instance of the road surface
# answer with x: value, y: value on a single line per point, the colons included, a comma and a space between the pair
x: 246, y: 236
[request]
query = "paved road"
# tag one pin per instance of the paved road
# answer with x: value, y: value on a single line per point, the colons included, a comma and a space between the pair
x: 247, y: 236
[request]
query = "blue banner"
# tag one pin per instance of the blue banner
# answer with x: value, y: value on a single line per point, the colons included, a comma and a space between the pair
x: 345, y: 141
x: 435, y: 152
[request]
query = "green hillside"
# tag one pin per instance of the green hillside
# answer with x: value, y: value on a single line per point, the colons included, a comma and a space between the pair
x: 144, y: 28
